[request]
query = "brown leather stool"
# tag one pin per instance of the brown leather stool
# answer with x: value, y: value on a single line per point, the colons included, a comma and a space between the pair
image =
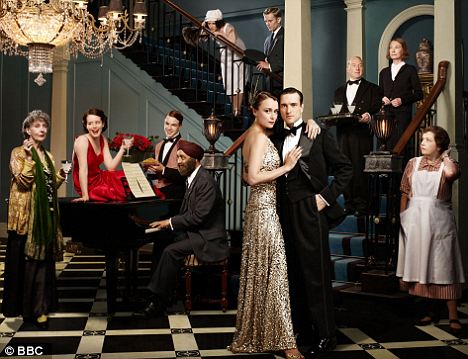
x: 192, y: 262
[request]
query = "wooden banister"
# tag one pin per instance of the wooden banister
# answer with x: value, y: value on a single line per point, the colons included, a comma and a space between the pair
x: 236, y: 144
x: 424, y: 109
x: 197, y: 22
x: 221, y: 38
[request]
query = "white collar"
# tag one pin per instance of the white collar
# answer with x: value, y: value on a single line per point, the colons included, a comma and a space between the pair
x: 296, y: 124
x: 192, y: 176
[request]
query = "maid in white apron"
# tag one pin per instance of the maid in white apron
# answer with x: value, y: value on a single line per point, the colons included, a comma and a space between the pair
x: 429, y: 259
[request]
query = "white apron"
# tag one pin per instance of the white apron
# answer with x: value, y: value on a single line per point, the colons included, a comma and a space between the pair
x: 428, y: 247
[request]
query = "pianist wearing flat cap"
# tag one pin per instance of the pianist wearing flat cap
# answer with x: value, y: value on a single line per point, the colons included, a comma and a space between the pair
x: 198, y: 229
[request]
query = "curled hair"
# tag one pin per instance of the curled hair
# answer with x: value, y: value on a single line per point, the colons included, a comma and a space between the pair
x: 292, y: 90
x: 272, y: 10
x: 260, y: 97
x: 95, y: 112
x: 441, y: 137
x: 177, y: 115
x: 402, y: 42
x: 33, y: 116
x: 218, y: 23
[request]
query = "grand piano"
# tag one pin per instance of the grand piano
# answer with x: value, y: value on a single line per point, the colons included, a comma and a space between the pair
x: 116, y: 229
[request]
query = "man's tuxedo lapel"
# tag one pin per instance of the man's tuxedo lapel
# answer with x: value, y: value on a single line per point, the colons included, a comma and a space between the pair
x: 306, y: 144
x: 189, y: 190
x: 363, y: 86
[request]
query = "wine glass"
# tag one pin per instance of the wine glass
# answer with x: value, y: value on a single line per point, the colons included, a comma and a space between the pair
x: 351, y: 108
x: 127, y: 141
x: 66, y: 167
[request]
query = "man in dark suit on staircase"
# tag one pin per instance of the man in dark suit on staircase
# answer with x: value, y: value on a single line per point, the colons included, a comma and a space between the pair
x: 199, y: 228
x: 307, y: 210
x: 354, y: 136
x: 273, y: 48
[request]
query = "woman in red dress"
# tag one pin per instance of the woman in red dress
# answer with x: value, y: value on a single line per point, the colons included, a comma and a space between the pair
x: 91, y: 149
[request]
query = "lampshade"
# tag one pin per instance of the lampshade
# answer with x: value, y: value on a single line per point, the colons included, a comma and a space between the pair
x: 382, y: 125
x: 212, y: 130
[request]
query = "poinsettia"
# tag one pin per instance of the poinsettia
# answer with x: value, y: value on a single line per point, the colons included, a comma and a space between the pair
x: 140, y: 143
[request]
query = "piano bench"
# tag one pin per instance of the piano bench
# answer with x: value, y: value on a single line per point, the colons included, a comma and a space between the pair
x: 191, y: 262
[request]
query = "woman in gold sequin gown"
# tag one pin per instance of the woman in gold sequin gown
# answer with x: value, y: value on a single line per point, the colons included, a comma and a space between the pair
x: 263, y: 312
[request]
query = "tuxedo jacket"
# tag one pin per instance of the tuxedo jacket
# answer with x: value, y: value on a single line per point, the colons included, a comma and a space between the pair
x: 171, y: 173
x: 368, y: 99
x: 406, y: 86
x: 320, y: 157
x: 275, y: 53
x: 201, y: 217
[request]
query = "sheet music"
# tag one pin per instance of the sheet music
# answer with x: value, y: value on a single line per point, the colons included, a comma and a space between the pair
x: 137, y: 181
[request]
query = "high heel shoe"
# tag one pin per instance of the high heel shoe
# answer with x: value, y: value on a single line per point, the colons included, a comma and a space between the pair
x: 457, y: 330
x: 297, y: 355
x: 42, y: 321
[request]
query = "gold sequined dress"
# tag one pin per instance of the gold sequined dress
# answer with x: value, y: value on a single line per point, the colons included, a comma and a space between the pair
x: 263, y: 310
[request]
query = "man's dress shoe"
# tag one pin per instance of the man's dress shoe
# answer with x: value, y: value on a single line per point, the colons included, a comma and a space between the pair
x: 324, y: 345
x: 152, y: 309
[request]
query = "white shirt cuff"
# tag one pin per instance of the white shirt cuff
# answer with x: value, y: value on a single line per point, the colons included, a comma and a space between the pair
x: 323, y: 199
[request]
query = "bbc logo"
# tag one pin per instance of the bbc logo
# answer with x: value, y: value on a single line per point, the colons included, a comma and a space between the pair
x: 26, y: 350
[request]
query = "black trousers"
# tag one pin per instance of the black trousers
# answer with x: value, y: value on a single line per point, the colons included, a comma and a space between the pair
x: 163, y: 282
x: 29, y: 285
x: 308, y: 256
x: 355, y: 142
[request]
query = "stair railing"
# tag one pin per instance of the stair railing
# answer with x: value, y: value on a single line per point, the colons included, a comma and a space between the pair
x: 425, y: 108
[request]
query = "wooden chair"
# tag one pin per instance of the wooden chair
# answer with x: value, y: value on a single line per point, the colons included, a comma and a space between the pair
x: 192, y: 262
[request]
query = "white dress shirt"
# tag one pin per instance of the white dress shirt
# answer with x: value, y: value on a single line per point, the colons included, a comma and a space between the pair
x: 395, y: 69
x: 351, y: 91
x: 292, y: 140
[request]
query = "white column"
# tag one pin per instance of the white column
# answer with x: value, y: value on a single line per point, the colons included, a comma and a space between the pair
x: 354, y: 28
x: 447, y: 40
x: 58, y: 134
x: 298, y: 50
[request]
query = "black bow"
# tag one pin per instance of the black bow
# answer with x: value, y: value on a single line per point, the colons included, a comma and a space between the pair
x: 292, y: 131
x: 169, y: 139
x: 355, y: 82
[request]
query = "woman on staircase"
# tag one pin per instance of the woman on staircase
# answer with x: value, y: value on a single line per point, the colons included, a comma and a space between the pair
x: 232, y: 67
x: 429, y: 259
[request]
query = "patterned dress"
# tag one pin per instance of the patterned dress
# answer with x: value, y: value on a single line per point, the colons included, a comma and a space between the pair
x: 263, y: 311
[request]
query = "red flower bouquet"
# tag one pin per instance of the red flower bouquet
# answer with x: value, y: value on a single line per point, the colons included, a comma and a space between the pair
x: 140, y: 143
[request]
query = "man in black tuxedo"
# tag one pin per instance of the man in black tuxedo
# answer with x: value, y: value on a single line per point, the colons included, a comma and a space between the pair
x: 354, y: 136
x: 199, y: 227
x: 273, y: 48
x: 307, y: 208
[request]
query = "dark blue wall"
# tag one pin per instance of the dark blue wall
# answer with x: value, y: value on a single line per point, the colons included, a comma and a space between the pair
x: 378, y: 14
x: 18, y: 96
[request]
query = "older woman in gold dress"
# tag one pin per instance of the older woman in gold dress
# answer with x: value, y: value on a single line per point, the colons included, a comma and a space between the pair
x: 34, y: 236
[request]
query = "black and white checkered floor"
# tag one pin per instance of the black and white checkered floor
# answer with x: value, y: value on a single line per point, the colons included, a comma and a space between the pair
x: 81, y: 328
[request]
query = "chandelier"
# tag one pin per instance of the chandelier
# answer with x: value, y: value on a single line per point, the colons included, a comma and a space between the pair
x: 33, y: 28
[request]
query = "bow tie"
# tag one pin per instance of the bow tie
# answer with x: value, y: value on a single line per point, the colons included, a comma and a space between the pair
x: 355, y: 82
x: 169, y: 139
x: 292, y: 131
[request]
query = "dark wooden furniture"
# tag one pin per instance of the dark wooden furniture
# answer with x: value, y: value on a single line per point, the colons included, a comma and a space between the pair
x: 111, y: 228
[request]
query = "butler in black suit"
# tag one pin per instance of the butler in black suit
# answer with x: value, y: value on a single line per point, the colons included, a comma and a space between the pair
x: 273, y: 47
x: 401, y: 88
x: 355, y: 137
x: 307, y: 207
x: 199, y: 227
